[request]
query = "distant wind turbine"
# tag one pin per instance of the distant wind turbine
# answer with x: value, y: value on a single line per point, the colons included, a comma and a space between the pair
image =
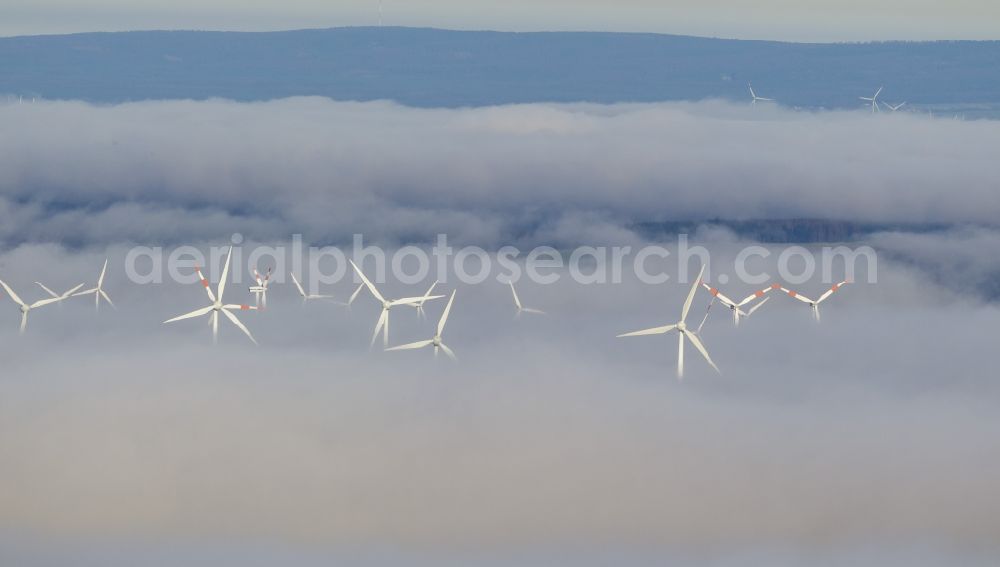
x: 306, y: 297
x: 737, y: 307
x: 260, y: 290
x: 98, y: 291
x: 815, y: 304
x: 682, y: 331
x: 894, y: 108
x: 383, y: 318
x: 755, y: 98
x: 873, y: 100
x: 521, y: 308
x: 25, y: 308
x: 420, y: 305
x: 217, y: 306
x: 436, y: 341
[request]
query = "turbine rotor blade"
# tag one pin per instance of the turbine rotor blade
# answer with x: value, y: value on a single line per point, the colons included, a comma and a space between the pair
x: 448, y: 352
x: 798, y: 296
x: 517, y: 301
x: 701, y: 348
x: 367, y: 283
x: 204, y: 282
x: 100, y: 279
x: 225, y: 274
x: 830, y: 292
x: 411, y: 346
x: 355, y: 294
x: 11, y: 293
x: 47, y: 290
x: 690, y: 296
x: 447, y: 311
x: 758, y: 306
x: 191, y: 315
x: 653, y: 331
x: 302, y: 292
x: 378, y: 326
x: 413, y: 300
x: 108, y: 299
x: 239, y: 324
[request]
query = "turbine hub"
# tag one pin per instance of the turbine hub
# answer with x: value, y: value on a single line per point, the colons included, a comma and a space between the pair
x: 386, y: 305
x: 437, y: 341
x: 682, y: 326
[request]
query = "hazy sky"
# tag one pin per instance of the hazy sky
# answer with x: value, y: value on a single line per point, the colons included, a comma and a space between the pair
x: 796, y: 20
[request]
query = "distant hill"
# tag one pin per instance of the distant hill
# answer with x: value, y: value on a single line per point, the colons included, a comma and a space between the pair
x: 429, y: 67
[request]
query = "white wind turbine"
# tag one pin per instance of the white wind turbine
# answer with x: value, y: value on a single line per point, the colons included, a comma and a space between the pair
x: 383, y: 318
x: 98, y: 291
x: 755, y: 98
x: 517, y: 303
x: 815, y: 304
x: 217, y: 306
x: 420, y: 305
x: 260, y: 290
x: 436, y: 342
x: 25, y: 307
x: 737, y: 307
x: 896, y: 107
x: 873, y: 100
x: 682, y: 331
x: 306, y: 297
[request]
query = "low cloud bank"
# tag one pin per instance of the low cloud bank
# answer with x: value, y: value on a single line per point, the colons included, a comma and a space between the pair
x: 180, y: 170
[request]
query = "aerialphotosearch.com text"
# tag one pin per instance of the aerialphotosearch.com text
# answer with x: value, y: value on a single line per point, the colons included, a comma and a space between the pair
x: 471, y: 265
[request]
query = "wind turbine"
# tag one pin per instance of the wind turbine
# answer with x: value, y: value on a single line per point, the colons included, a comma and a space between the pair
x: 682, y: 331
x: 815, y: 304
x: 260, y: 290
x: 517, y: 303
x: 217, y: 306
x: 873, y: 100
x: 420, y: 305
x: 755, y: 98
x: 894, y: 108
x: 436, y: 342
x: 737, y: 307
x: 309, y: 296
x: 25, y: 308
x: 383, y: 319
x: 99, y: 290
